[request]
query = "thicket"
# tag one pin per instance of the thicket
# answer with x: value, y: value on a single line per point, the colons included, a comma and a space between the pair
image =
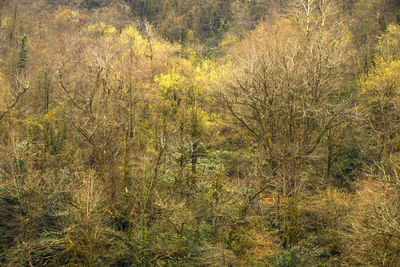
x: 199, y: 133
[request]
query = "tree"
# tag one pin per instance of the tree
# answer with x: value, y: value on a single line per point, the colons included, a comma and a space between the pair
x: 373, y: 235
x: 289, y: 93
x: 23, y: 53
x: 380, y: 93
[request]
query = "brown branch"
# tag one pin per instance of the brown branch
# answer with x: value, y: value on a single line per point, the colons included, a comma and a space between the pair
x: 67, y: 92
x: 234, y: 114
x: 16, y: 100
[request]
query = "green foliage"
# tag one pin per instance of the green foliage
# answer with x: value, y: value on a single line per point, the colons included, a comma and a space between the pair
x: 287, y: 258
x: 23, y: 53
x: 347, y: 164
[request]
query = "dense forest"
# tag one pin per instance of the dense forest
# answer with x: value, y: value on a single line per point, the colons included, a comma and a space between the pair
x: 200, y: 133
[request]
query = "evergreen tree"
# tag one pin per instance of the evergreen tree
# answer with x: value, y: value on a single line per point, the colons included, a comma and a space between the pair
x: 23, y: 53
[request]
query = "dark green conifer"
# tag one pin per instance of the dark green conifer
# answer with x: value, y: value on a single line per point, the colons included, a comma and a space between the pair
x: 23, y: 53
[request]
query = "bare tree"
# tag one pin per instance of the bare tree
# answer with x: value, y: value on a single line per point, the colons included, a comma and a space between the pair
x: 15, y: 93
x: 288, y: 92
x: 374, y: 233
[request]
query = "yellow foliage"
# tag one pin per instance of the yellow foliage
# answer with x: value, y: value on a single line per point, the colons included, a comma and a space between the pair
x: 162, y: 50
x: 102, y: 29
x: 382, y: 83
x: 131, y: 38
x: 130, y: 35
x: 169, y: 80
x: 229, y: 40
x: 5, y: 21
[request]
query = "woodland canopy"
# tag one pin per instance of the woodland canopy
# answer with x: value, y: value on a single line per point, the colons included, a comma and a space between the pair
x: 200, y: 133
